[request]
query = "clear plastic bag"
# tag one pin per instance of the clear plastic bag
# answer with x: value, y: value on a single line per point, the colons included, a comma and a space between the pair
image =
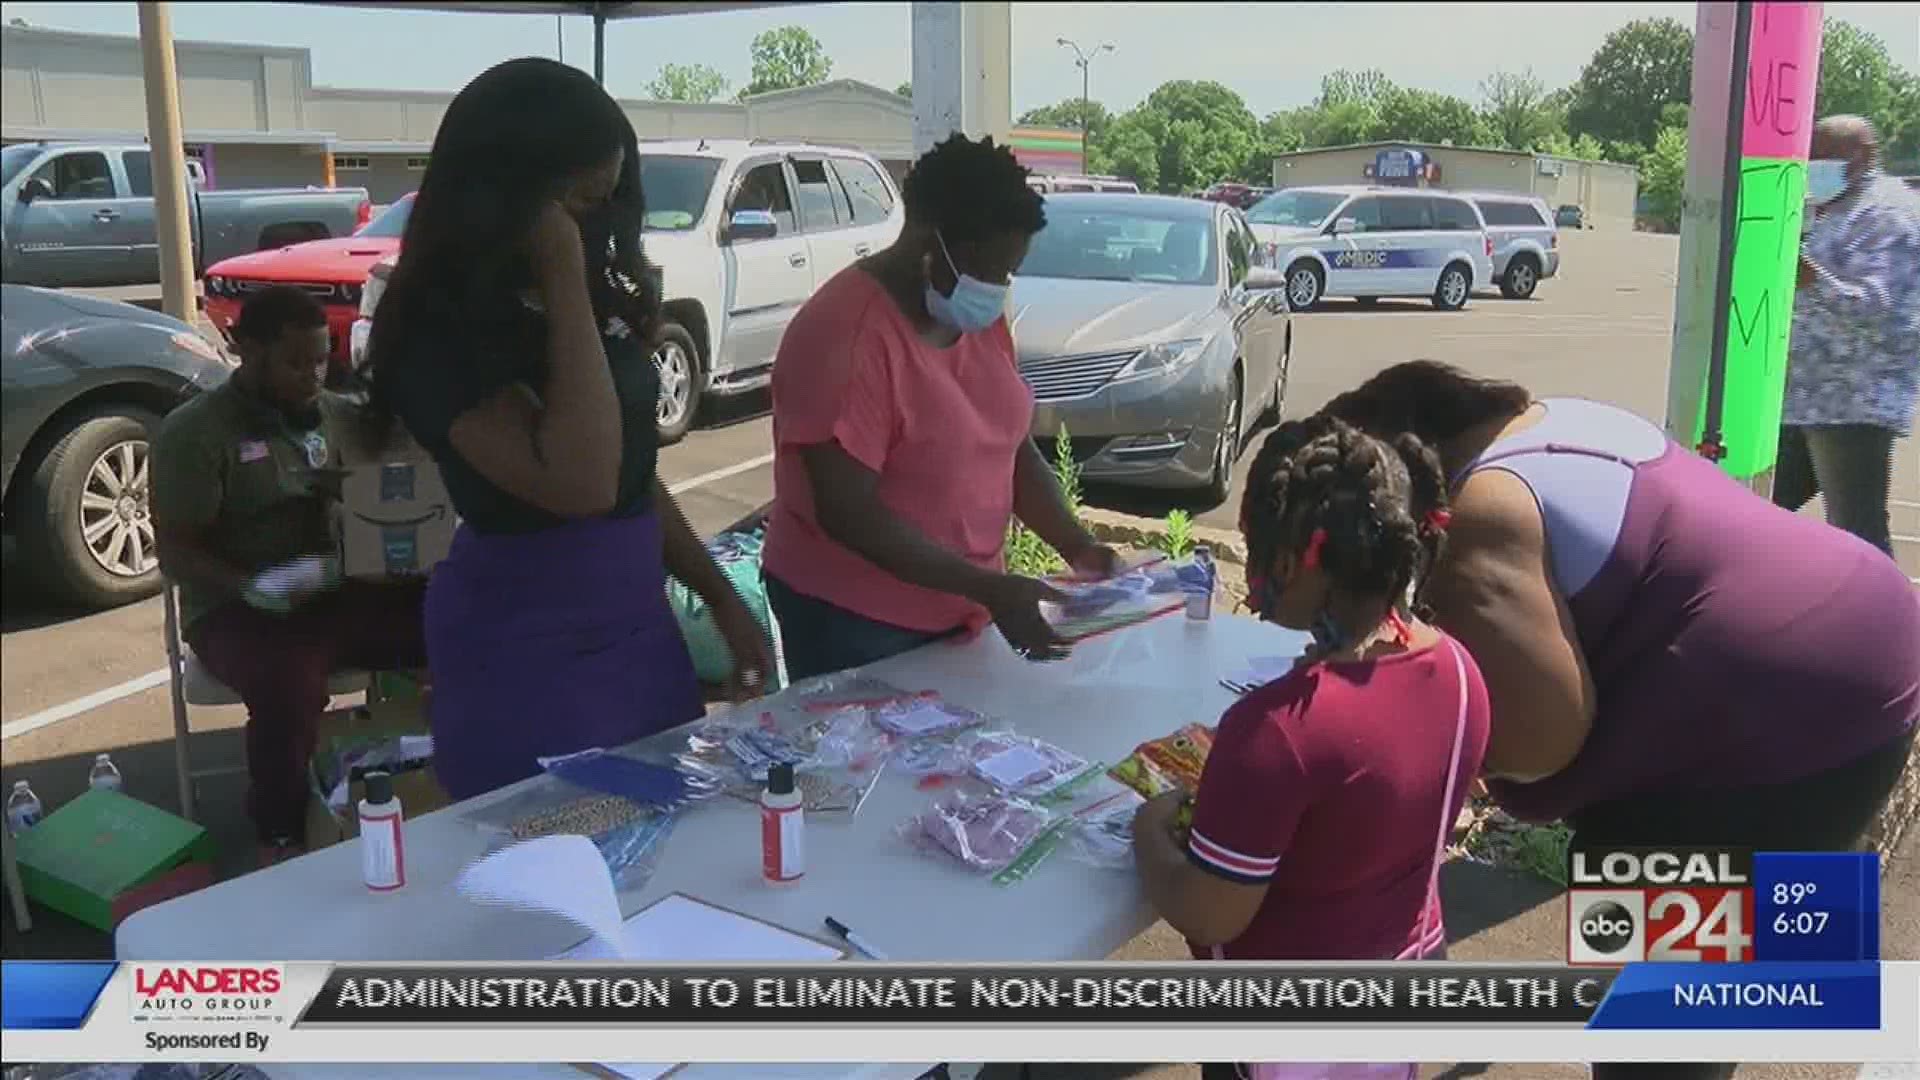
x: 843, y: 688
x: 1019, y: 765
x: 924, y: 717
x: 630, y: 836
x: 1102, y: 834
x: 985, y: 832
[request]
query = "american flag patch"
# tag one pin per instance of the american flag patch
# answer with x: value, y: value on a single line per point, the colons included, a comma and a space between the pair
x: 253, y: 450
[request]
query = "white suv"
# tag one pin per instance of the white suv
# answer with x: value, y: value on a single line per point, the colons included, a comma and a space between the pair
x: 1369, y: 242
x: 743, y: 232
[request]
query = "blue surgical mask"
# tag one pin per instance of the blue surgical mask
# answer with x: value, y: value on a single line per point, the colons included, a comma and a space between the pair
x: 974, y: 305
x: 1826, y: 179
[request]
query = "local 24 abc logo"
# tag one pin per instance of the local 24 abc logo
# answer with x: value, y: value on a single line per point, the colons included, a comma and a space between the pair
x: 1630, y: 905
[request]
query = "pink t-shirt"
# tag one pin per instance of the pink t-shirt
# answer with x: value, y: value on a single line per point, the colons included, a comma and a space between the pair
x: 941, y: 427
x: 1326, y: 786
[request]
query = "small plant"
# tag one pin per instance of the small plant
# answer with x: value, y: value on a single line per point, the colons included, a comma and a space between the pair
x: 1025, y: 553
x: 1178, y: 540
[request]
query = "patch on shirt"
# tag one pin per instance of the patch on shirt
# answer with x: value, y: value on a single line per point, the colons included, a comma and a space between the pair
x: 316, y: 447
x: 617, y: 327
x: 253, y: 450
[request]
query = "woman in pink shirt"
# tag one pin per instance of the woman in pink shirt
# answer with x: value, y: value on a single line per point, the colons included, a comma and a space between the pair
x: 1318, y: 828
x: 901, y: 435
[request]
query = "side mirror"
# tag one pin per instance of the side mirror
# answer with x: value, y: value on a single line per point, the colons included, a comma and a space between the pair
x: 1265, y: 278
x: 1346, y: 225
x: 35, y: 188
x: 751, y: 225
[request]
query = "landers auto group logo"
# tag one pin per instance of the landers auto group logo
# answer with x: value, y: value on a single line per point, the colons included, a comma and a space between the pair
x: 228, y: 993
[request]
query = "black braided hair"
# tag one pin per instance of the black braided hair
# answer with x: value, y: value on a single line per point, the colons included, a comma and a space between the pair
x: 1377, y: 499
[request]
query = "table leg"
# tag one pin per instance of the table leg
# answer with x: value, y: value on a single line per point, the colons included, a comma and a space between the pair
x: 15, y: 891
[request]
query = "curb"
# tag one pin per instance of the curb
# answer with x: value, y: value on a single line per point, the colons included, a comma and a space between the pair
x: 1116, y: 528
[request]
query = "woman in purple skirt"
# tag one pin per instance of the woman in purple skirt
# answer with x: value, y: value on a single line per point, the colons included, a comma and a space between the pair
x: 514, y: 343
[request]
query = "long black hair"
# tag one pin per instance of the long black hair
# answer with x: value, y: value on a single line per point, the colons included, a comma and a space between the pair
x: 1432, y: 400
x: 506, y: 146
x: 1379, y: 504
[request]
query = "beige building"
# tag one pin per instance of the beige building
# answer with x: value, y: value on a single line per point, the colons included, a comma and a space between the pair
x: 254, y: 118
x: 1604, y: 191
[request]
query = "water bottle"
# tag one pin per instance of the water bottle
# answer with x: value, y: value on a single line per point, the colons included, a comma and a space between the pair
x: 23, y: 808
x: 1200, y: 593
x: 104, y: 775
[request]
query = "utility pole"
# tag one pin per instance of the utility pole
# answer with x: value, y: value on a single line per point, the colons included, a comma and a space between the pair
x: 1084, y: 61
x: 560, y: 38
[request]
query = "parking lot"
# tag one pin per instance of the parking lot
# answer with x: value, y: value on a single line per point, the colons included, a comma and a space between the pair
x: 76, y: 685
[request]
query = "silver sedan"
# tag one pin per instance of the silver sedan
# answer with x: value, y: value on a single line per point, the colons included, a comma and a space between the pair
x: 1145, y: 329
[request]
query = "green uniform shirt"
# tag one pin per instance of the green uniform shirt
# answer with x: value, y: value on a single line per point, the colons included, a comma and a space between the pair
x: 235, y: 471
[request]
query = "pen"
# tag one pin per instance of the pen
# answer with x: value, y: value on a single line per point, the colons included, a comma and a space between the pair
x: 853, y: 939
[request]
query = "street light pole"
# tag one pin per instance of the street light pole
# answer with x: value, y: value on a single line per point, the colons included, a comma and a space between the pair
x: 1084, y: 61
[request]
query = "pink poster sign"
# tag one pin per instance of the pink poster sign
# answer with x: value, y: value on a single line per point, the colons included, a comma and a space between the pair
x: 1783, y: 64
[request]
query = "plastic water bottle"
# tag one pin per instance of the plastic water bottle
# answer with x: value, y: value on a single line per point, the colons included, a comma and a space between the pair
x: 1200, y: 594
x: 23, y: 808
x: 105, y: 776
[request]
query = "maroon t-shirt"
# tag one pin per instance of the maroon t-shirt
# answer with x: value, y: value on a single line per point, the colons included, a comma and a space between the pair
x: 1327, y: 785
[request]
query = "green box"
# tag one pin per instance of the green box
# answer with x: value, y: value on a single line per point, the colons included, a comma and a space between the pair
x: 83, y: 856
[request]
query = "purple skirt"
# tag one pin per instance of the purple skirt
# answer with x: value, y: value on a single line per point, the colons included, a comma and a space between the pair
x: 551, y: 642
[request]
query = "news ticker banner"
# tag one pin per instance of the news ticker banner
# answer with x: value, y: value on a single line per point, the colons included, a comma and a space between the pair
x: 893, y: 1012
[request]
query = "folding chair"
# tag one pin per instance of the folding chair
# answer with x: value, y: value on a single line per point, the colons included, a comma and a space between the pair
x: 192, y: 684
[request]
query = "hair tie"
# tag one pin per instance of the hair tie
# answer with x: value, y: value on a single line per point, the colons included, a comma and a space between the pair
x: 1310, y: 558
x: 1439, y: 519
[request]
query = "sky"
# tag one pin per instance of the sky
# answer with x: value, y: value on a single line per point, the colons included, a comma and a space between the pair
x: 1273, y: 54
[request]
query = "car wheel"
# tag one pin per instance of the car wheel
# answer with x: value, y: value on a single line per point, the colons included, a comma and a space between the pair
x: 1521, y: 278
x: 1304, y: 286
x: 1455, y: 285
x: 677, y: 362
x: 87, y: 524
x: 1279, y: 403
x: 1226, y: 452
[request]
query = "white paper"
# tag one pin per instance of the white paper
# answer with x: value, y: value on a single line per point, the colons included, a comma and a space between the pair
x: 681, y: 930
x: 1014, y: 767
x: 1262, y: 670
x: 922, y: 718
x: 557, y: 875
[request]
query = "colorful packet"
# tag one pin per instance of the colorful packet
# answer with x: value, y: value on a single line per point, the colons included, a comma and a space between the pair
x: 1171, y: 763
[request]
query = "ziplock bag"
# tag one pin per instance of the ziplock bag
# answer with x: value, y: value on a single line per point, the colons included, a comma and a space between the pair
x: 1102, y: 834
x: 630, y: 836
x: 923, y: 717
x: 1019, y: 765
x: 842, y: 688
x: 982, y: 831
x: 646, y: 783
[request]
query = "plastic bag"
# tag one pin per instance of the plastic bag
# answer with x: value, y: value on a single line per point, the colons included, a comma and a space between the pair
x: 924, y: 717
x: 1019, y: 765
x: 1170, y: 763
x: 630, y: 836
x: 825, y: 693
x: 984, y: 832
x: 333, y: 772
x: 738, y: 556
x: 646, y: 783
x: 1102, y: 834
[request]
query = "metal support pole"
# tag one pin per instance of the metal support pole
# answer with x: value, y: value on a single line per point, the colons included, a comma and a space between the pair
x: 1712, y: 446
x: 169, y: 156
x: 560, y: 38
x: 1084, y: 67
x: 599, y: 47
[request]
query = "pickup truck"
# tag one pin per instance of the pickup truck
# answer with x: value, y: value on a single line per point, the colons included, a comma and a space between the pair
x: 82, y: 214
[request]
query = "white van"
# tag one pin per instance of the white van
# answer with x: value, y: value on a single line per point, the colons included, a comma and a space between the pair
x: 1369, y: 242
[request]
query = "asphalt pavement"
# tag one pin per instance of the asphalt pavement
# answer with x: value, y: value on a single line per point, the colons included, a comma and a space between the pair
x: 76, y: 684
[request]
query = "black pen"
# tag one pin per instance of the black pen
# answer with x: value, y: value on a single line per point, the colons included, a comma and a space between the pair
x: 853, y: 939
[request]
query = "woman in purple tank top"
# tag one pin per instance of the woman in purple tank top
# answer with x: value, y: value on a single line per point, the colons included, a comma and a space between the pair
x: 1672, y: 659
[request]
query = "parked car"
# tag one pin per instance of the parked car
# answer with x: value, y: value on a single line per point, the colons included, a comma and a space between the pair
x: 1047, y: 185
x: 1144, y: 327
x: 1526, y: 243
x: 1570, y: 217
x: 84, y: 386
x: 82, y: 214
x: 1370, y: 242
x: 1239, y: 196
x: 743, y: 232
x: 332, y: 270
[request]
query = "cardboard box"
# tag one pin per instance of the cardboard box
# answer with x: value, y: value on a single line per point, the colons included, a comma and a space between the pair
x: 91, y: 858
x: 394, y: 516
x: 417, y: 789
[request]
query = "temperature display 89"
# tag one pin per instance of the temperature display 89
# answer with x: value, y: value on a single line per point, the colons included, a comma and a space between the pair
x: 1822, y: 907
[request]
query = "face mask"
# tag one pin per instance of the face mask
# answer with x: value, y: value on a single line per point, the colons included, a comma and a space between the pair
x: 974, y: 305
x: 1826, y: 179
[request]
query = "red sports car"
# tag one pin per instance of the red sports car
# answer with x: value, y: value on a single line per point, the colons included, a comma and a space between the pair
x: 333, y: 270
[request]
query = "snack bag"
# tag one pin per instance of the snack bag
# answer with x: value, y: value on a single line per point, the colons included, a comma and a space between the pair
x: 1172, y: 763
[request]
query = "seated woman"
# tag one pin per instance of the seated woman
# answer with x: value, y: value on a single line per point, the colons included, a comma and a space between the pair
x: 1320, y: 820
x: 1673, y: 659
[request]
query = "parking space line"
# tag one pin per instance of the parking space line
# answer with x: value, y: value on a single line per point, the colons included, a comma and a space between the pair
x: 68, y: 710
x: 111, y: 694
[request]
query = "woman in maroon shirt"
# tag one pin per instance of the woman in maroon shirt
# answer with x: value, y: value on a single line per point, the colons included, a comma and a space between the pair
x: 1318, y: 827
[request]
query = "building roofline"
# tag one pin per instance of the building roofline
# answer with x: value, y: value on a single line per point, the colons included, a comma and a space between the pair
x: 1408, y: 144
x: 89, y: 36
x: 29, y: 133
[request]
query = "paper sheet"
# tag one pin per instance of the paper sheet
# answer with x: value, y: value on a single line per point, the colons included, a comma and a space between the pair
x: 556, y: 875
x: 1014, y: 767
x: 681, y: 930
x: 920, y: 718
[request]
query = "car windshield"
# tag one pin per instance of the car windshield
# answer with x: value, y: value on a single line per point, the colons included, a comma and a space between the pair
x: 676, y: 189
x: 392, y: 221
x: 1123, y: 245
x: 1306, y: 209
x: 15, y: 158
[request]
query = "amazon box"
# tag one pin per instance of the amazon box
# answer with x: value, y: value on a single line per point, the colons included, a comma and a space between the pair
x: 394, y: 515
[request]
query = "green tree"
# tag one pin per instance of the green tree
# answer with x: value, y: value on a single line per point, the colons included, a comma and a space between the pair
x: 1663, y: 176
x: 1344, y: 124
x: 785, y: 58
x: 1130, y: 147
x: 697, y: 83
x: 1345, y: 85
x: 1425, y: 116
x: 1517, y: 110
x: 1282, y: 132
x: 1639, y: 69
x: 905, y: 89
x: 1900, y: 144
x: 1856, y: 75
x: 1090, y: 118
x: 1203, y: 130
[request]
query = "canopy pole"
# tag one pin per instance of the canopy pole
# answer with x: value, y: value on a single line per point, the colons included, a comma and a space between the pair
x: 599, y: 46
x: 1712, y: 444
x: 167, y: 145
